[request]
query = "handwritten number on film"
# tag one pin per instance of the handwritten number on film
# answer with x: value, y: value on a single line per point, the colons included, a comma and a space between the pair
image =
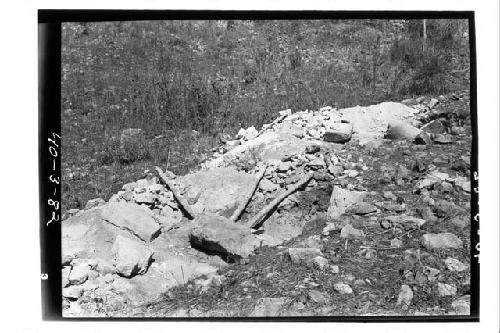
x: 54, y: 180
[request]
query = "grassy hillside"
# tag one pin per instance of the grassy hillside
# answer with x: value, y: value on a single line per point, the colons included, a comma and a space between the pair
x: 172, y: 77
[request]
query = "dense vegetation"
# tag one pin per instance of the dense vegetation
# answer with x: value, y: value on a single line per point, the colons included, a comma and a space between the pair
x: 172, y: 77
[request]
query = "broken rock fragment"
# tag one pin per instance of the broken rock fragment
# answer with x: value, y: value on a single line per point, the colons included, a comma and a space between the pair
x: 444, y: 240
x: 312, y: 149
x: 423, y: 139
x: 342, y: 288
x: 341, y: 199
x: 447, y: 208
x: 284, y: 166
x: 314, y: 134
x: 351, y: 173
x: 329, y: 228
x: 267, y: 186
x: 393, y: 207
x: 95, y: 203
x: 320, y: 262
x: 405, y: 221
x: 455, y: 265
x: 317, y: 163
x: 131, y: 257
x: 433, y: 102
x: 427, y: 214
x: 303, y: 255
x: 79, y: 274
x: 72, y: 292
x: 131, y: 217
x: 145, y: 198
x: 446, y: 289
x: 217, y: 234
x: 248, y: 134
x: 318, y: 297
x: 463, y: 183
x: 430, y: 273
x: 269, y: 307
x: 461, y: 306
x: 432, y: 179
x: 336, y: 170
x: 349, y: 232
x: 65, y: 276
x: 405, y: 296
x: 434, y: 127
x: 338, y: 133
x: 460, y: 221
x: 396, y: 242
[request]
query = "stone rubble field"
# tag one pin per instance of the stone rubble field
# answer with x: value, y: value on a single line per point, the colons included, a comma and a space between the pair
x: 381, y: 228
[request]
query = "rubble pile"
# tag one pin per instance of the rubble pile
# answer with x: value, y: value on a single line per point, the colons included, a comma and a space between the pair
x: 385, y: 170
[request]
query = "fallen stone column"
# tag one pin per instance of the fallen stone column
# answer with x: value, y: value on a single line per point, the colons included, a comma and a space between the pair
x: 182, y: 203
x: 257, y: 220
x: 237, y: 213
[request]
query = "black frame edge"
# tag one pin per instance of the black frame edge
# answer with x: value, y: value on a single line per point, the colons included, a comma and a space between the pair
x: 49, y: 167
x: 63, y: 15
x: 474, y: 228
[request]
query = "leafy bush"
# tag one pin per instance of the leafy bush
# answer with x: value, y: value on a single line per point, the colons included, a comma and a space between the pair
x: 429, y: 78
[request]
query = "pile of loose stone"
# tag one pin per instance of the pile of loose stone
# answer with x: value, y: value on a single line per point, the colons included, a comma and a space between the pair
x: 138, y: 245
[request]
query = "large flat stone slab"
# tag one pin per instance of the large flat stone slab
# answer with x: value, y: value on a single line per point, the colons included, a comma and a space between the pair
x: 220, y: 235
x: 91, y: 234
x: 133, y: 218
x: 88, y: 236
x: 371, y: 122
x: 217, y: 191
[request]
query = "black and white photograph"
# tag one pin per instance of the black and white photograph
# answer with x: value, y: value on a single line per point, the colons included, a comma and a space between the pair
x: 266, y: 167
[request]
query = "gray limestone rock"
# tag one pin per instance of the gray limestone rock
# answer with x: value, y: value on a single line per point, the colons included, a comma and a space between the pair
x: 444, y: 240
